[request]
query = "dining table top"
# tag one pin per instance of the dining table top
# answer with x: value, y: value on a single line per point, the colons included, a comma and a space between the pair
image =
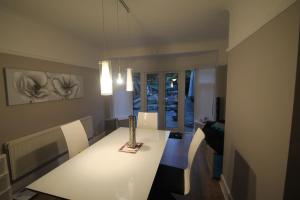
x: 103, y: 172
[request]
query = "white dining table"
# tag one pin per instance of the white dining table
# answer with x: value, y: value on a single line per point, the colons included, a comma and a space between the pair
x: 102, y: 172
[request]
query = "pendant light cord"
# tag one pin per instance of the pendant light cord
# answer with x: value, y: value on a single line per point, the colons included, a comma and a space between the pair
x: 118, y: 30
x: 103, y: 28
x: 128, y: 34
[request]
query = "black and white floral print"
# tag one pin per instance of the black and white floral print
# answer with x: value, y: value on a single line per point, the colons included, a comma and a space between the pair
x: 66, y: 86
x: 33, y: 85
x: 24, y: 86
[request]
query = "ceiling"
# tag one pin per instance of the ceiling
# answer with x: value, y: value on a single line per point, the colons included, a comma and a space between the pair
x: 151, y: 22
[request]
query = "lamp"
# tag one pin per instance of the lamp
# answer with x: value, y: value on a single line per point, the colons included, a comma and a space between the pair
x: 129, y: 82
x: 104, y: 66
x: 105, y: 78
x: 119, y: 79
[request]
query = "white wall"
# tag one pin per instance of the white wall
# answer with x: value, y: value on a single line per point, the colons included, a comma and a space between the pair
x: 247, y: 16
x: 205, y: 93
x: 170, y: 62
x: 260, y: 98
x: 23, y: 36
x: 214, y: 45
x: 122, y: 101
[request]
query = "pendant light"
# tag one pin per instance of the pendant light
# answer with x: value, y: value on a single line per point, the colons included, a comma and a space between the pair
x: 119, y: 79
x: 129, y: 82
x: 105, y: 78
x: 105, y: 67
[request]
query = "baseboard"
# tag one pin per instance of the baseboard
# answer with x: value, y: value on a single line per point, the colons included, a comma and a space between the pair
x: 225, y: 189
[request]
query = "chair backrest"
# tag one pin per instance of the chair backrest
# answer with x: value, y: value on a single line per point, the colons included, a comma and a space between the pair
x: 147, y: 120
x: 196, y: 141
x: 76, y: 137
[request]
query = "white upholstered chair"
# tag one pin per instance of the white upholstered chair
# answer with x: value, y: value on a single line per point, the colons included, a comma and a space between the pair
x: 147, y: 120
x: 76, y: 137
x: 176, y: 180
x: 196, y: 141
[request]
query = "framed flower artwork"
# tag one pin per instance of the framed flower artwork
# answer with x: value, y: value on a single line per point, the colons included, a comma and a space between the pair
x: 24, y: 86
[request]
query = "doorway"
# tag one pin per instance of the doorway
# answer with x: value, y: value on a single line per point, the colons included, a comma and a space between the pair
x: 170, y: 94
x: 189, y: 101
x: 171, y: 100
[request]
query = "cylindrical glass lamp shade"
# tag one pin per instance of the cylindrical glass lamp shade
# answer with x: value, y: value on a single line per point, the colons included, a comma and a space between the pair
x: 129, y: 83
x: 105, y: 78
x: 119, y: 79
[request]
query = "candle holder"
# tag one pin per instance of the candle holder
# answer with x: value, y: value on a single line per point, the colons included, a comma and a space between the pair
x: 132, y: 135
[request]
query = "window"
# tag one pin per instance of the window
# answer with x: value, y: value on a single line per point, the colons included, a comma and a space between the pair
x: 136, y: 93
x: 171, y: 104
x: 152, y: 92
x: 189, y: 101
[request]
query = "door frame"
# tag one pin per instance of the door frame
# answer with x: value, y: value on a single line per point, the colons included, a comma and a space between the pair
x: 161, y: 96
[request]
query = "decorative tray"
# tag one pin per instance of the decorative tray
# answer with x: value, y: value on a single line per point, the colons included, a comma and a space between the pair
x: 125, y: 148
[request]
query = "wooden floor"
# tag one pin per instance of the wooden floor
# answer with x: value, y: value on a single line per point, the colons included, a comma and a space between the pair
x: 203, y: 187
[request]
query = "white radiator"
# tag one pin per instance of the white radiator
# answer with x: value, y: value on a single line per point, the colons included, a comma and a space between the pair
x: 33, y: 151
x: 5, y: 188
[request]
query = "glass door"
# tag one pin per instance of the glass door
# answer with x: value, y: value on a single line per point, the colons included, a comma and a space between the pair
x: 170, y: 94
x: 152, y: 89
x: 189, y: 101
x: 136, y: 93
x: 171, y: 100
